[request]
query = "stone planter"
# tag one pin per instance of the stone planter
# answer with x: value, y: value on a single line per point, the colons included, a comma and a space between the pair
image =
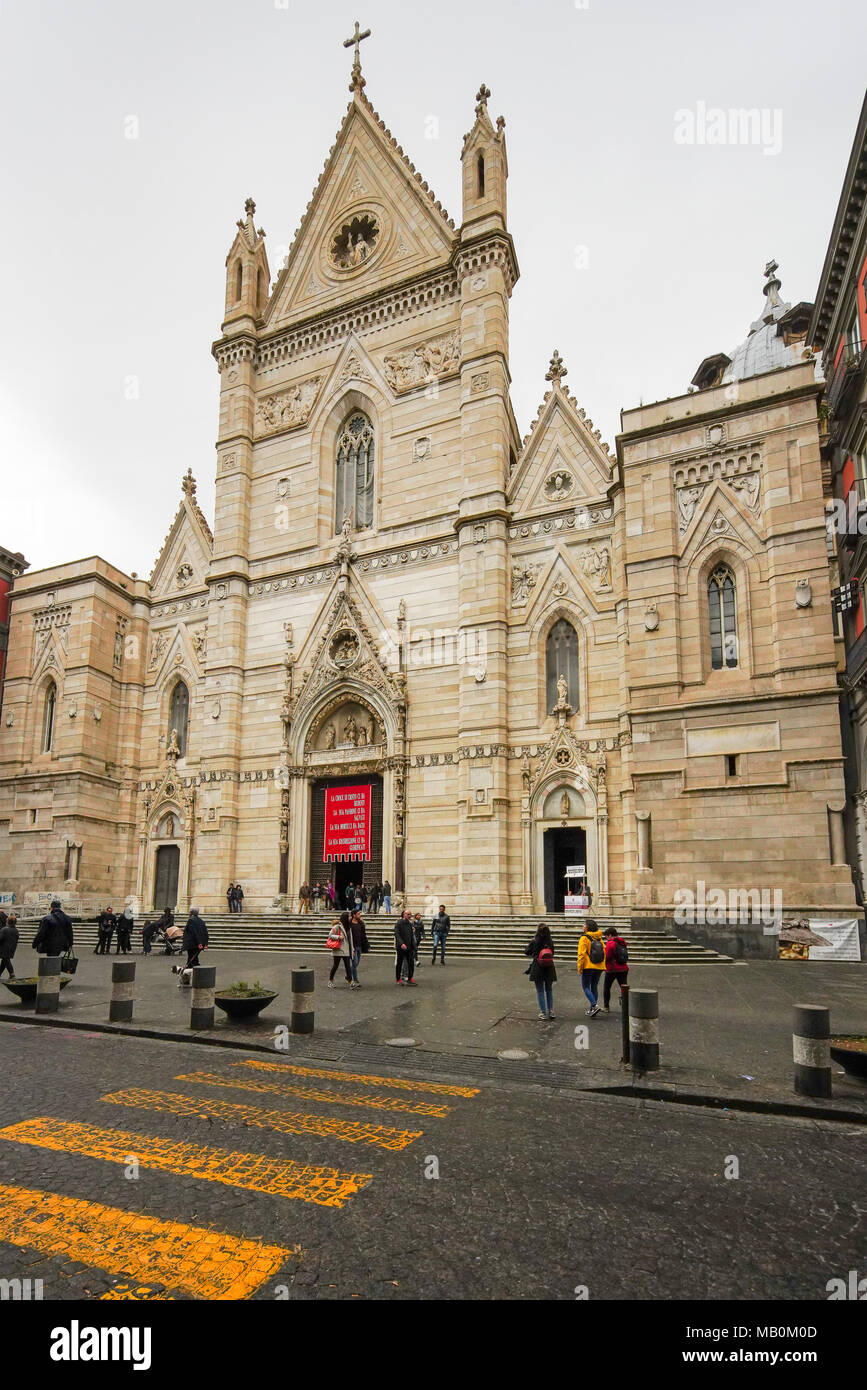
x: 25, y: 986
x: 241, y: 1006
x: 850, y: 1050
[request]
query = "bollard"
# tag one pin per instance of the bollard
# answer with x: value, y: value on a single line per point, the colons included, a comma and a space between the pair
x: 811, y: 1049
x: 624, y: 1023
x: 48, y: 985
x: 644, y: 1029
x: 302, y: 1000
x: 202, y: 996
x: 122, y: 991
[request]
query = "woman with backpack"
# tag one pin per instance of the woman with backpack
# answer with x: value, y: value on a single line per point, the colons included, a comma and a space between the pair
x: 616, y: 965
x: 591, y: 963
x: 541, y: 969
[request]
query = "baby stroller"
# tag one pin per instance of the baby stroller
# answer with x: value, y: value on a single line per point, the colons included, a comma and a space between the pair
x: 169, y: 938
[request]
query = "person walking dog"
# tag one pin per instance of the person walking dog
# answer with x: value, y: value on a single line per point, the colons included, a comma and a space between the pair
x: 195, y: 937
x: 591, y: 963
x: 541, y: 969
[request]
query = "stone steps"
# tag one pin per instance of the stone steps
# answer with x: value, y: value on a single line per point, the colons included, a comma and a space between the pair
x: 471, y: 938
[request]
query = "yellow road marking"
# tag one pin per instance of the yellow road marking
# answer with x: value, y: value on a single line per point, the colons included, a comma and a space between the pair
x: 207, y: 1264
x: 282, y: 1121
x: 437, y: 1088
x: 282, y: 1088
x: 280, y: 1177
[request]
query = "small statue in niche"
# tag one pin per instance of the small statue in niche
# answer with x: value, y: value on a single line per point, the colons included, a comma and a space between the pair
x: 330, y: 736
x: 362, y: 736
x: 565, y: 805
x: 350, y: 732
x: 562, y: 693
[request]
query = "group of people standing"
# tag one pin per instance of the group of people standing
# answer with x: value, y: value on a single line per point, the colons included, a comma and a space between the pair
x: 235, y: 897
x: 109, y: 923
x: 598, y: 956
x: 356, y: 897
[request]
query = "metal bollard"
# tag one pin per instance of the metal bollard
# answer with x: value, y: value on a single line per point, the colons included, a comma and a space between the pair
x: 202, y: 996
x: 624, y: 1023
x: 811, y: 1050
x: 302, y: 1000
x: 644, y: 1029
x: 48, y: 985
x: 122, y: 991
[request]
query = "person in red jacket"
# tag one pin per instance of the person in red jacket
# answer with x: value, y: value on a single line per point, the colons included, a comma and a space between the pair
x: 616, y: 965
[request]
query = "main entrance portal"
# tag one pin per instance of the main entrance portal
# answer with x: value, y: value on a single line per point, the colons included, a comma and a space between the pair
x: 166, y: 876
x: 564, y: 849
x: 342, y: 872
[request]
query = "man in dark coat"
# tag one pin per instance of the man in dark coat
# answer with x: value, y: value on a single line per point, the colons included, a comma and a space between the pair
x: 440, y: 928
x: 8, y: 943
x: 105, y: 930
x: 195, y: 937
x: 404, y: 942
x: 54, y: 937
x: 239, y: 898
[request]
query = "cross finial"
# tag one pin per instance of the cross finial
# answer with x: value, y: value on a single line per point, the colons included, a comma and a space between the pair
x: 771, y: 267
x: 556, y: 371
x: 482, y: 99
x: 357, y: 80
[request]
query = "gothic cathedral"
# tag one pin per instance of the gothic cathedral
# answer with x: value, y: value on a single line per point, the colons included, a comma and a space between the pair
x: 519, y: 655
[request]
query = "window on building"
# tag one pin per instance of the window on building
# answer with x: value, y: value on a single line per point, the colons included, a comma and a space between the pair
x: 179, y: 715
x: 354, y: 473
x: 561, y: 661
x: 260, y: 289
x: 480, y: 173
x: 722, y: 613
x: 239, y: 280
x: 859, y: 463
x: 731, y: 764
x: 48, y: 717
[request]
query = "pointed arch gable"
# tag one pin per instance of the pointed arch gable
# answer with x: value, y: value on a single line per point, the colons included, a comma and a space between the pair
x: 718, y: 500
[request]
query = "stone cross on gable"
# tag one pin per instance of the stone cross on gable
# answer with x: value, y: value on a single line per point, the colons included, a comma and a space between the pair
x: 357, y: 80
x: 556, y: 371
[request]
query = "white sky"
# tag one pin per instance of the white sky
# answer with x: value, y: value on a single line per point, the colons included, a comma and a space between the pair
x: 113, y: 249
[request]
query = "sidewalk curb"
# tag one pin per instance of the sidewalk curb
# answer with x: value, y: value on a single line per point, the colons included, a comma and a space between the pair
x: 632, y: 1091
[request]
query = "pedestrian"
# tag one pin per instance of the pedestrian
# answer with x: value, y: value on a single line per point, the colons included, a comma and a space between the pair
x: 616, y: 965
x: 359, y: 901
x: 360, y: 946
x: 317, y: 897
x: 148, y: 932
x: 54, y: 937
x: 440, y: 928
x: 541, y: 969
x: 417, y: 934
x: 230, y: 897
x: 591, y: 963
x: 304, y: 897
x: 364, y: 896
x: 239, y: 898
x: 404, y: 944
x: 9, y: 938
x: 386, y: 897
x: 125, y: 924
x: 195, y: 937
x: 375, y: 893
x: 349, y: 896
x: 330, y: 895
x: 105, y: 931
x: 340, y: 945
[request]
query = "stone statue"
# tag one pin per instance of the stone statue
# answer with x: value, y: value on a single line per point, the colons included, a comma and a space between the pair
x: 562, y: 693
x: 174, y: 748
x: 350, y: 732
x: 330, y: 736
x: 565, y: 804
x: 362, y: 736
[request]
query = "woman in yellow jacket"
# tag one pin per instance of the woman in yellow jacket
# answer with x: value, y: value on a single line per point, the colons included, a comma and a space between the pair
x: 591, y: 963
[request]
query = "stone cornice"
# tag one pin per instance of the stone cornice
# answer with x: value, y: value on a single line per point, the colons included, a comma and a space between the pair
x: 475, y: 257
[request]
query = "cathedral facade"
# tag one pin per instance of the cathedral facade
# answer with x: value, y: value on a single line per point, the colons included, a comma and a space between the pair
x: 517, y: 655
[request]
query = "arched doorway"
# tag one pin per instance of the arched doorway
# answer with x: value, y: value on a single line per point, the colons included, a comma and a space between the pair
x: 565, y: 849
x: 166, y: 870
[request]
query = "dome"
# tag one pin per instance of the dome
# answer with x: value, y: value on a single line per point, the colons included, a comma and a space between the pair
x: 777, y: 338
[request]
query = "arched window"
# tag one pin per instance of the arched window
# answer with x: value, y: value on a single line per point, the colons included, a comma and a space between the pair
x: 239, y: 280
x: 561, y: 659
x: 480, y: 171
x: 48, y: 714
x: 353, y: 484
x: 260, y: 289
x: 722, y: 614
x: 179, y: 715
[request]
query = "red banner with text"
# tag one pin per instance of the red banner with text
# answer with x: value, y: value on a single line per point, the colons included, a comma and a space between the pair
x: 347, y: 822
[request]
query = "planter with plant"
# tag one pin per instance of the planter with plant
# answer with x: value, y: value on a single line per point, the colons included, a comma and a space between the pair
x: 241, y: 1000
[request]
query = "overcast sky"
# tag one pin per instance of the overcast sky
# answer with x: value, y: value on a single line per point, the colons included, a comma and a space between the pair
x: 640, y: 255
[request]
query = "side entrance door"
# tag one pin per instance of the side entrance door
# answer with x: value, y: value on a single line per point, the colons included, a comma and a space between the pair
x: 166, y: 876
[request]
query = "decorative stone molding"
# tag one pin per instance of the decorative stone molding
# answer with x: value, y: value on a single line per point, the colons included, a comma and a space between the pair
x: 184, y: 575
x: 558, y: 485
x: 368, y: 563
x: 479, y: 383
x: 285, y: 410
x: 715, y: 435
x: 524, y: 578
x: 803, y: 594
x: 423, y: 363
x: 230, y: 351
x: 159, y: 646
x: 566, y: 521
x: 596, y: 565
x: 353, y: 369
x: 651, y: 617
x: 51, y: 619
x: 495, y: 253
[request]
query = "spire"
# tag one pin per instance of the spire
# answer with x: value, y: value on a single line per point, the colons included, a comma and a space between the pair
x: 357, y: 80
x: 773, y: 307
x: 556, y: 370
x: 486, y: 169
